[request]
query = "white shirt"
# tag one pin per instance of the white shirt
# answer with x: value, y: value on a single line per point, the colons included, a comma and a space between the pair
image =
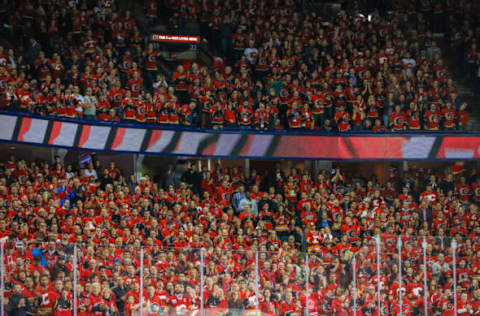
x: 92, y: 173
x: 250, y: 53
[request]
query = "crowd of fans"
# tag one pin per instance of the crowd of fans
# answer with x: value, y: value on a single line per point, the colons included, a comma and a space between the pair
x: 46, y: 209
x: 276, y: 68
x: 304, y: 72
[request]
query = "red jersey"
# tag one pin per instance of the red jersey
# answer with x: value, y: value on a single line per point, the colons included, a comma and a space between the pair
x: 94, y: 306
x: 432, y: 119
x: 224, y: 195
x: 64, y: 307
x: 135, y: 86
x: 180, y: 80
x: 476, y: 191
x: 398, y: 120
x: 151, y: 60
x: 180, y: 304
x: 47, y: 300
x: 285, y: 307
x: 449, y: 117
x: 463, y: 191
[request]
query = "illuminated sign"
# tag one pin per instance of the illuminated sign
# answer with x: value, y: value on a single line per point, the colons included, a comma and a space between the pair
x: 175, y: 38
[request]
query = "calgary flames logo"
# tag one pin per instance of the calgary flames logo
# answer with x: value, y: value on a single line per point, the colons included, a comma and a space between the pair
x: 385, y: 310
x: 181, y: 309
x: 141, y: 110
x: 449, y: 116
x: 398, y: 120
x: 351, y: 234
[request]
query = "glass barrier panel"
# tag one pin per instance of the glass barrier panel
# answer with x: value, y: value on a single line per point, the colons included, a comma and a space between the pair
x: 412, y: 274
x: 107, y: 277
x: 229, y: 281
x: 281, y: 282
x: 38, y: 277
x: 443, y: 276
x: 363, y: 270
x: 386, y: 271
x: 172, y: 281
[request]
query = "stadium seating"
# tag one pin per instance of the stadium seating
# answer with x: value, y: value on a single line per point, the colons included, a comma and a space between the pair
x: 276, y: 68
x: 245, y: 239
x: 90, y: 239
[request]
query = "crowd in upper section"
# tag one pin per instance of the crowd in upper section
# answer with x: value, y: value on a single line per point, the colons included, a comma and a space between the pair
x: 276, y: 68
x: 47, y: 207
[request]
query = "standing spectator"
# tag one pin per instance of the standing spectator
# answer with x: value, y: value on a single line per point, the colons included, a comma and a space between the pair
x: 17, y: 303
x: 90, y: 105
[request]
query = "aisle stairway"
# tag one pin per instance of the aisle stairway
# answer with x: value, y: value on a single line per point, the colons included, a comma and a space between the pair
x: 465, y: 92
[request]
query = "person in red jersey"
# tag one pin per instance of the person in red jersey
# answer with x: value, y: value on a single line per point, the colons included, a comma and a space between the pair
x: 288, y: 306
x: 46, y: 296
x: 63, y: 305
x: 129, y: 107
x: 342, y: 119
x: 340, y: 305
x: 398, y: 119
x: 476, y: 302
x: 463, y: 190
x: 449, y: 117
x: 135, y: 85
x: 476, y: 190
x: 413, y: 117
x: 179, y: 302
x: 181, y: 80
x: 117, y: 94
x: 464, y: 305
x: 224, y: 193
x: 96, y: 305
x: 429, y: 194
x: 216, y: 303
x: 378, y: 126
x: 267, y: 305
x: 131, y: 308
x: 154, y: 304
x: 103, y: 108
x: 109, y: 301
x: 432, y: 118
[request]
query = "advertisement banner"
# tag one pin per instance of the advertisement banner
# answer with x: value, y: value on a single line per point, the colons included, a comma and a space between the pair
x: 131, y: 138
